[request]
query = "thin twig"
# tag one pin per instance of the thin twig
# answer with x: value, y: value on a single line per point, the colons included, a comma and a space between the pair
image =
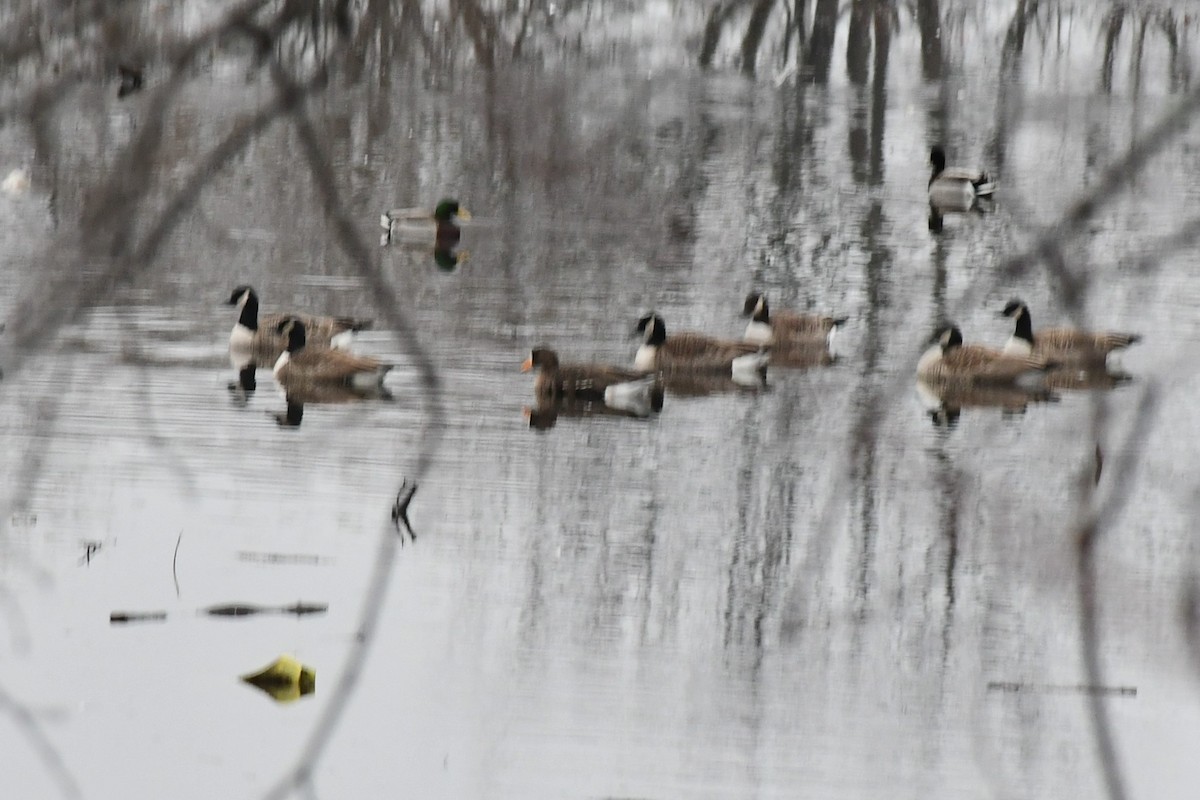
x: 299, y: 777
x: 42, y: 747
x: 174, y: 559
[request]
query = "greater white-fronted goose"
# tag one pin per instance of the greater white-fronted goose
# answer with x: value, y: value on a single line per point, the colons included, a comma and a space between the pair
x: 599, y: 383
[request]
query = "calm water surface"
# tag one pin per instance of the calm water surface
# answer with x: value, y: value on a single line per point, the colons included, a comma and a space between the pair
x: 809, y: 591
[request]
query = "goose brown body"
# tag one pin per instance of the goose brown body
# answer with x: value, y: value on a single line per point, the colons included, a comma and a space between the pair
x: 575, y: 382
x: 1068, y: 346
x: 786, y: 328
x: 259, y: 334
x: 302, y: 366
x: 948, y: 360
x: 689, y: 351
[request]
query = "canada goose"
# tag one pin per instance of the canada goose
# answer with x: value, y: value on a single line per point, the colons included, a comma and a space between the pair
x: 786, y: 328
x: 261, y: 334
x: 416, y: 221
x: 303, y: 367
x: 1068, y: 346
x: 694, y: 352
x: 948, y: 360
x: 589, y: 382
x: 956, y: 188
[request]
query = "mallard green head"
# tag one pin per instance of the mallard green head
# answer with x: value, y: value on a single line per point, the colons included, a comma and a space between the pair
x: 448, y: 209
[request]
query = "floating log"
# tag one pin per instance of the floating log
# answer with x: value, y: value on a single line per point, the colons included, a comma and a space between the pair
x: 300, y: 609
x: 118, y: 617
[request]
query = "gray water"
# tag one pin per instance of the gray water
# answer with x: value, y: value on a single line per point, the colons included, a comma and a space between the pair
x: 808, y: 591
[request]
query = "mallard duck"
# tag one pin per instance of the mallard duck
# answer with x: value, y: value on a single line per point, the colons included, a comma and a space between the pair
x: 786, y: 327
x: 694, y: 352
x: 613, y: 386
x: 956, y: 187
x: 1067, y: 346
x: 260, y: 334
x: 303, y: 367
x: 415, y: 221
x: 949, y: 360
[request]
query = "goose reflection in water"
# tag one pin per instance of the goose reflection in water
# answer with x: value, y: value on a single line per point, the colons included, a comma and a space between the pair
x: 1076, y: 379
x: 691, y: 384
x: 297, y: 397
x: 546, y: 413
x: 246, y: 367
x: 944, y: 402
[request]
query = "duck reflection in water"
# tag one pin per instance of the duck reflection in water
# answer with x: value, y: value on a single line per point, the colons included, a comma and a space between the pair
x: 448, y: 259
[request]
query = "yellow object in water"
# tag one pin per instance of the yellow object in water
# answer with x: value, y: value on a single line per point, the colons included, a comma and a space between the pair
x: 285, y: 679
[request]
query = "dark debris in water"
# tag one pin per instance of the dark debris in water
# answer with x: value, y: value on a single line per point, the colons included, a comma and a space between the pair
x: 400, y: 509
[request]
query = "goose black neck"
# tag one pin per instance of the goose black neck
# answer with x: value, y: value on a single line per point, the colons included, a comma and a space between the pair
x: 656, y: 332
x: 1024, y: 328
x: 246, y: 377
x: 761, y: 312
x: 295, y: 338
x: 249, y: 316
x: 937, y: 157
x: 292, y: 417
